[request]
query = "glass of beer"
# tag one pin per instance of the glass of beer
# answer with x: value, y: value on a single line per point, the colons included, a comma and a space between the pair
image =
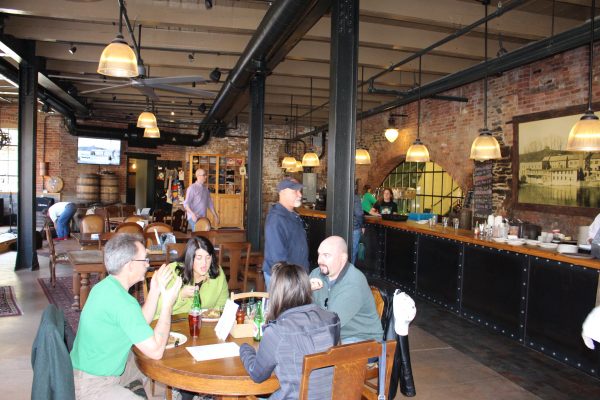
x: 195, y: 322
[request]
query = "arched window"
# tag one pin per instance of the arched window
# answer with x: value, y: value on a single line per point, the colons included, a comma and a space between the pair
x: 435, y: 190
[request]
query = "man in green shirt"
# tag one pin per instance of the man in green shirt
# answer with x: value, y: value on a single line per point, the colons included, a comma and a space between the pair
x: 112, y: 321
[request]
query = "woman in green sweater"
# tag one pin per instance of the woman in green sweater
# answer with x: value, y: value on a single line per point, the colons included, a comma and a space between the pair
x: 199, y: 268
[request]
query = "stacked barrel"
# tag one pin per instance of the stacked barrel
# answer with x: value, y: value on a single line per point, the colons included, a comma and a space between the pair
x: 92, y: 188
x: 109, y: 188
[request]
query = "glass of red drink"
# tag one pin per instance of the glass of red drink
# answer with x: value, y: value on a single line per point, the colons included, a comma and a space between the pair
x: 195, y: 322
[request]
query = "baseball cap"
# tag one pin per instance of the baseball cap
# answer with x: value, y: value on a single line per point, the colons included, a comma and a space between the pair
x: 289, y: 183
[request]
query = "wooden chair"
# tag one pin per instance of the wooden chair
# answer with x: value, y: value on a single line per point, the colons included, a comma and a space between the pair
x: 133, y: 218
x: 52, y: 256
x: 160, y: 228
x: 379, y: 301
x: 103, y: 212
x: 230, y: 257
x: 93, y: 223
x: 254, y: 272
x: 247, y: 295
x: 127, y: 210
x: 175, y: 252
x: 178, y: 220
x: 202, y: 224
x: 129, y: 227
x: 349, y: 364
x: 158, y: 215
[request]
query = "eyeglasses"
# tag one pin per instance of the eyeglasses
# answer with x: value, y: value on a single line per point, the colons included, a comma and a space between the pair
x: 146, y: 260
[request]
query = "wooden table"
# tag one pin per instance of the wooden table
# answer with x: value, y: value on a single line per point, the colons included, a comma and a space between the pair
x: 85, y: 239
x: 225, y: 377
x: 84, y: 262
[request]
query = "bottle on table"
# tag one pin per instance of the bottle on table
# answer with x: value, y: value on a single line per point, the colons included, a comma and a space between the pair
x: 194, y: 317
x: 259, y: 321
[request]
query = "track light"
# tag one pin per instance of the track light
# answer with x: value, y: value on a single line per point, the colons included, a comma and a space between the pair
x: 208, y: 4
x: 73, y: 49
x: 215, y: 75
x: 202, y: 108
x: 191, y: 57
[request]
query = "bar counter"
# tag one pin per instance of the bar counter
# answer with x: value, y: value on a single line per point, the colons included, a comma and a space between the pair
x: 535, y: 296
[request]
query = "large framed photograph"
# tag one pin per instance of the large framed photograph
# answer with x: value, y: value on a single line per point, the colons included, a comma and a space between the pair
x: 548, y: 178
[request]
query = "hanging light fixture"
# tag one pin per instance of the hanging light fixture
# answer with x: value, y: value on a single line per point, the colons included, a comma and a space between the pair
x: 310, y: 159
x: 417, y: 152
x: 485, y: 146
x: 585, y: 134
x: 118, y: 59
x: 152, y: 133
x: 147, y: 119
x: 288, y: 162
x: 362, y: 156
x: 391, y: 133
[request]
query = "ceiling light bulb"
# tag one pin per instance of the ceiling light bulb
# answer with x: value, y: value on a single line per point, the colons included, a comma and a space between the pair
x: 73, y: 49
x: 118, y: 59
x: 363, y: 157
x: 391, y: 134
x: 172, y: 112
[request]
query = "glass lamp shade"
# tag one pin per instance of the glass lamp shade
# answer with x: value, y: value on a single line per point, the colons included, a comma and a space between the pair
x: 363, y: 157
x: 585, y: 134
x: 118, y: 59
x: 310, y: 160
x: 485, y: 147
x: 288, y: 162
x: 146, y: 120
x: 296, y: 168
x: 417, y: 152
x: 391, y: 134
x: 152, y: 133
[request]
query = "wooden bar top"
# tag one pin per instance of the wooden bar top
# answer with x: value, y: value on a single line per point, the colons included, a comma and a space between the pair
x: 466, y: 236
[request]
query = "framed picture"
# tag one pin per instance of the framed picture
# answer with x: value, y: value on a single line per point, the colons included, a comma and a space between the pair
x: 546, y: 177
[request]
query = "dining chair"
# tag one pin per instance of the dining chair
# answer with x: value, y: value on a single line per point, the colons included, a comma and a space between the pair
x: 52, y: 255
x: 202, y: 224
x: 349, y: 364
x: 159, y: 228
x: 103, y: 212
x: 133, y: 218
x: 129, y: 227
x: 230, y: 257
x: 178, y: 220
x: 158, y: 215
x: 381, y: 298
x: 93, y: 223
x: 175, y: 252
x: 253, y: 272
x: 247, y: 295
x: 127, y: 210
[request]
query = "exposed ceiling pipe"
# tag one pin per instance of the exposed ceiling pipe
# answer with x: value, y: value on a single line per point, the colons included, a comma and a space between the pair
x: 283, y: 26
x: 528, y: 54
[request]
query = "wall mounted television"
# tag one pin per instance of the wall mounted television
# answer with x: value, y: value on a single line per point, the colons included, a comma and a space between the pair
x: 98, y: 151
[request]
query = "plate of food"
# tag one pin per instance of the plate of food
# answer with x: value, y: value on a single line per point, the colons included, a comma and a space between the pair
x: 211, y: 315
x: 175, y: 339
x: 548, y: 246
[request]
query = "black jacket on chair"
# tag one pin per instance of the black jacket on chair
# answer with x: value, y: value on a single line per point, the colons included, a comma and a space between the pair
x: 52, y: 368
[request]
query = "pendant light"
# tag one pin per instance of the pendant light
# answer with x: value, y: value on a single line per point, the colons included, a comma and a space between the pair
x: 585, y: 134
x: 485, y: 146
x: 288, y: 162
x: 310, y: 159
x: 391, y: 133
x: 417, y: 152
x: 147, y: 119
x: 362, y: 156
x: 118, y: 59
x: 152, y: 133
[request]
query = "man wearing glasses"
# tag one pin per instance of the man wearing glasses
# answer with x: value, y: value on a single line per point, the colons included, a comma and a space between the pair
x: 112, y: 321
x: 198, y: 200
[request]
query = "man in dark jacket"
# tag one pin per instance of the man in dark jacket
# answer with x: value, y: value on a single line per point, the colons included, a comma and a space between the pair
x: 285, y: 236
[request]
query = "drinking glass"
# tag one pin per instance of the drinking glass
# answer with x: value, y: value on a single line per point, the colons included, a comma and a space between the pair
x: 445, y: 221
x: 456, y: 222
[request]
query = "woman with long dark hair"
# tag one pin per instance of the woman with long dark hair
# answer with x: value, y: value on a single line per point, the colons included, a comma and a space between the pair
x: 199, y: 268
x: 295, y: 327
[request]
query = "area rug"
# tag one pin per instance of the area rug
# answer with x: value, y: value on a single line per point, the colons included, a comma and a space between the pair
x: 62, y: 296
x: 8, y: 304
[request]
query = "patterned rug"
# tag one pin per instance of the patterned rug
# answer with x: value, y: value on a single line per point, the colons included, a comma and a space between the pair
x: 62, y: 297
x: 8, y: 304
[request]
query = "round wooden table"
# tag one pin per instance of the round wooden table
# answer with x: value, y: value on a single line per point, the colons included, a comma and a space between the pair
x: 225, y: 377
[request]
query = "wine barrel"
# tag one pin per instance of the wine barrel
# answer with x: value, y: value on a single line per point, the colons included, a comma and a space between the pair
x: 87, y: 187
x: 109, y: 188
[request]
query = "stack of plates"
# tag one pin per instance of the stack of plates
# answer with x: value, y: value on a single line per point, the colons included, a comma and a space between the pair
x: 517, y: 242
x: 567, y: 248
x: 587, y: 247
x: 532, y: 242
x: 499, y: 240
x: 548, y: 246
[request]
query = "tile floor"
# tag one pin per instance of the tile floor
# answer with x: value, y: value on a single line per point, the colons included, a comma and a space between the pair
x: 441, y: 371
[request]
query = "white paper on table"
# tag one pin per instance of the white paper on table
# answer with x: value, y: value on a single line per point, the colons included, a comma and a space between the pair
x: 145, y: 211
x: 214, y: 351
x: 227, y: 319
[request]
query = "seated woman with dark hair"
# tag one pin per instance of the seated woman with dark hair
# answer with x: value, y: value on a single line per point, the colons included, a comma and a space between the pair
x: 296, y: 327
x: 199, y: 268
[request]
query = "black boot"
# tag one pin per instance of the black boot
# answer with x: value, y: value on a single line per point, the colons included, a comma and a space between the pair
x: 407, y: 384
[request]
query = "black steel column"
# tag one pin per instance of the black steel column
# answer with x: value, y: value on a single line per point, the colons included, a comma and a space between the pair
x: 255, y: 157
x: 26, y: 239
x: 342, y: 118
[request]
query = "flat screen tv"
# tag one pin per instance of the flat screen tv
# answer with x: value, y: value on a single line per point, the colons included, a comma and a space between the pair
x: 98, y: 151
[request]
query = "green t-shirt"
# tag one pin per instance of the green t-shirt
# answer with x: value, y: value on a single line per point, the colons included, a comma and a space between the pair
x: 213, y: 294
x: 111, y: 322
x: 368, y: 200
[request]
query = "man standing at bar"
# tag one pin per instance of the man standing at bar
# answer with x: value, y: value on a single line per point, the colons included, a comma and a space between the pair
x: 61, y: 213
x: 340, y: 287
x: 285, y: 236
x: 198, y: 200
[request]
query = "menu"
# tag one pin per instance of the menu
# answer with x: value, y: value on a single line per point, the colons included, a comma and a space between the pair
x: 482, y: 189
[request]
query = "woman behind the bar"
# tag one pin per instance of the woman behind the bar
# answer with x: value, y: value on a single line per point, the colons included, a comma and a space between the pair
x: 386, y: 205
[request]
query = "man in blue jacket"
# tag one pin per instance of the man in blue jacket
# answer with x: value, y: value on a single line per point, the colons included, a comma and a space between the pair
x: 285, y: 236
